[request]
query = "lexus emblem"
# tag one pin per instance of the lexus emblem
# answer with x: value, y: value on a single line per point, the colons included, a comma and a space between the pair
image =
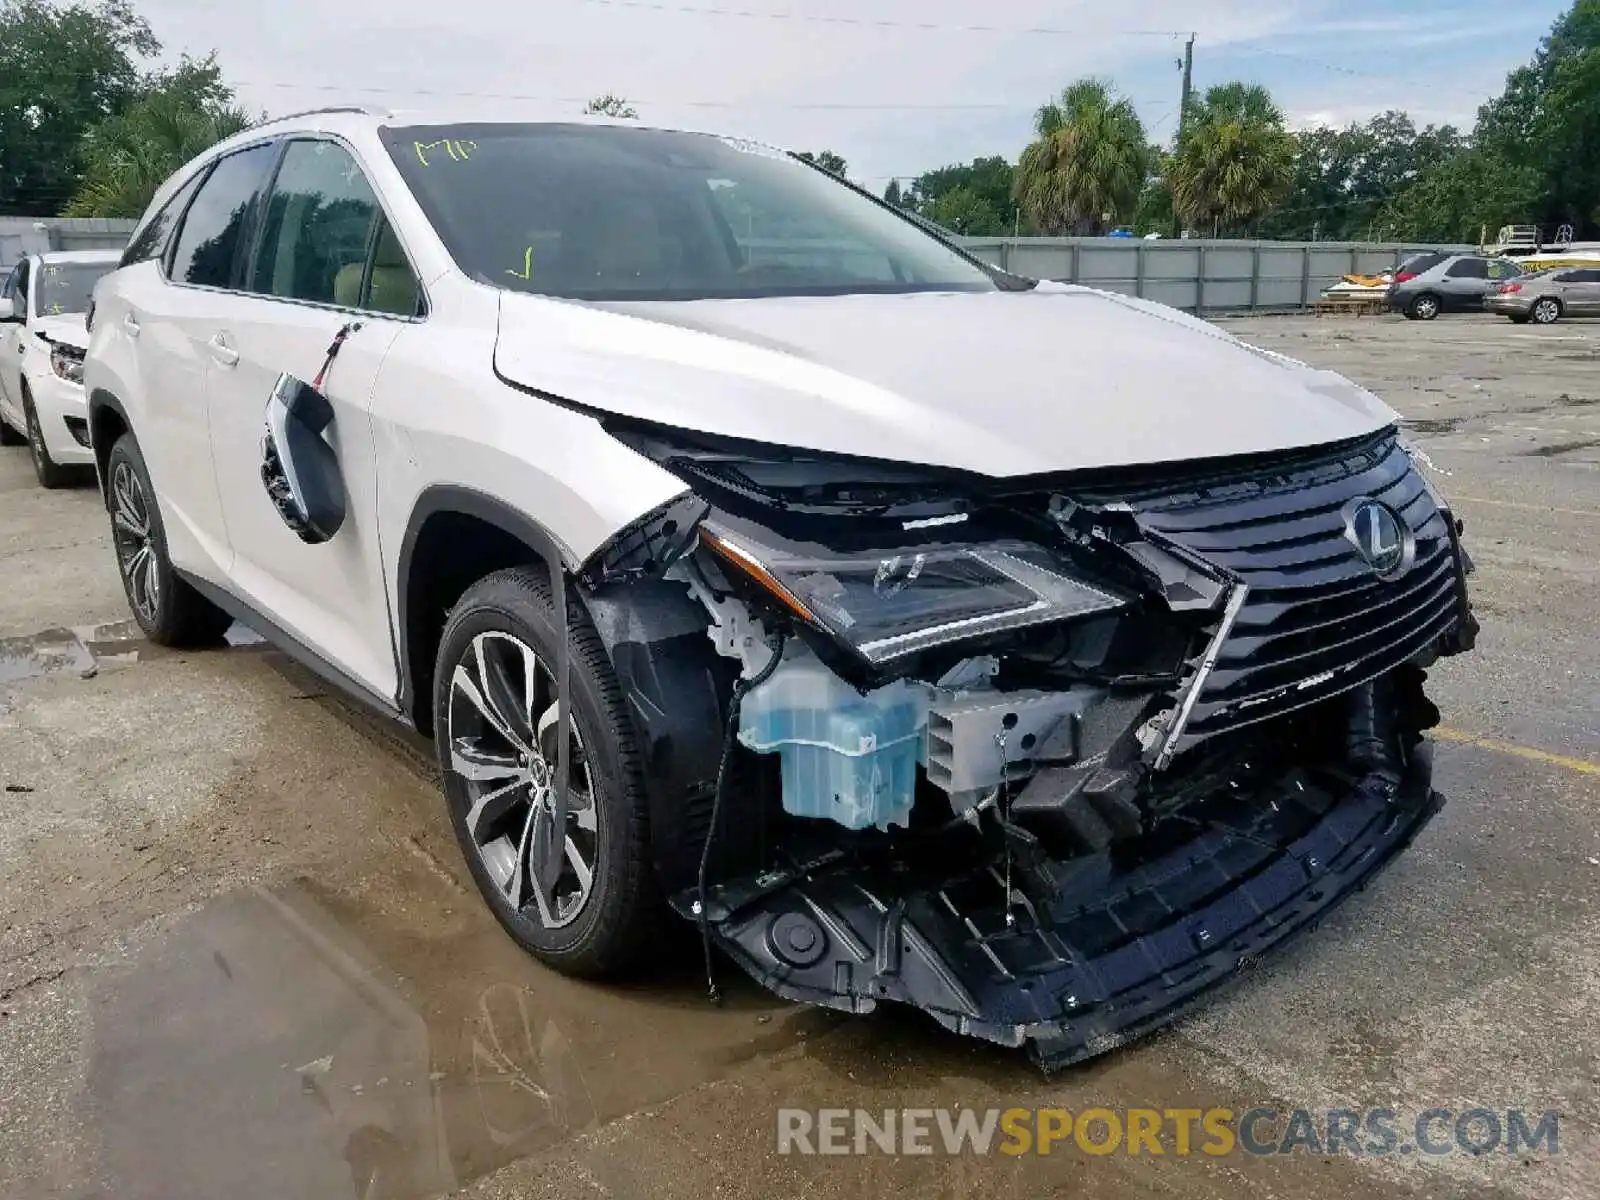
x: 1382, y: 539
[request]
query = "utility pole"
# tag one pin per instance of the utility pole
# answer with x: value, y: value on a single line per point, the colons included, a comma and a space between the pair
x: 1188, y: 84
x: 1183, y: 114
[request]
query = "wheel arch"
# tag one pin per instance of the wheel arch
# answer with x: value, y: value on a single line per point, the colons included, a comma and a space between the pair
x: 108, y: 420
x: 454, y: 537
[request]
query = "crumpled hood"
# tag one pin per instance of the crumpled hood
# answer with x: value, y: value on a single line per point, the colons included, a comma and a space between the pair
x: 997, y: 383
x: 68, y: 329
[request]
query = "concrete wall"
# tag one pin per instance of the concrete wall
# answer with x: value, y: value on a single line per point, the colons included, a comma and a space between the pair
x: 20, y: 236
x: 1200, y: 276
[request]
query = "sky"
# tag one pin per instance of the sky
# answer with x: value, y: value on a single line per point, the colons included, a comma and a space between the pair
x: 894, y: 86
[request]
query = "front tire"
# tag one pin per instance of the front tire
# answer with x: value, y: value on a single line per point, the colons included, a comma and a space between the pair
x: 495, y: 725
x: 170, y: 612
x: 51, y: 473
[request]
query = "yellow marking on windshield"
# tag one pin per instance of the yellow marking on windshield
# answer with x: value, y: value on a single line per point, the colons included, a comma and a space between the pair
x: 527, y: 265
x: 459, y: 150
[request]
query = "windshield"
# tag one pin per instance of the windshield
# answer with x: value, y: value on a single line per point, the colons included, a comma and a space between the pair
x: 614, y: 213
x: 66, y: 287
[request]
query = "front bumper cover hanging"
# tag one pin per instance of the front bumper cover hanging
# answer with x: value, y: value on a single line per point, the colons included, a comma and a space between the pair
x: 1126, y: 938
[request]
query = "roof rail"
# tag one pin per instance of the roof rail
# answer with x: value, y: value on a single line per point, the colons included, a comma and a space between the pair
x: 326, y: 108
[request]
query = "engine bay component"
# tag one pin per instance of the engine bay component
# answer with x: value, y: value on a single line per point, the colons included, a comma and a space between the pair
x: 980, y: 740
x: 845, y: 756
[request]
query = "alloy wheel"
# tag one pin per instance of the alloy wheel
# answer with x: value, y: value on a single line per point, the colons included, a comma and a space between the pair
x: 1545, y: 312
x: 133, y: 535
x: 1427, y: 308
x: 41, y: 457
x: 503, y: 741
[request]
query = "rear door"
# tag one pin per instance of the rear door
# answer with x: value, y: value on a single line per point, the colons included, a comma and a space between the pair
x: 174, y: 321
x: 324, y: 262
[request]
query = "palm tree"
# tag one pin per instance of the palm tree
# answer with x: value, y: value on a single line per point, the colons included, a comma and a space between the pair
x: 1087, y: 166
x: 128, y: 157
x: 1233, y: 161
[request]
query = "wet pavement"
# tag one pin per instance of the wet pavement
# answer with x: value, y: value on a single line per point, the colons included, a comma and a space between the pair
x: 241, y: 957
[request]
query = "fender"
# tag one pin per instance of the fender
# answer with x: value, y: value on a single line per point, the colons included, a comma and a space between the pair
x: 101, y: 403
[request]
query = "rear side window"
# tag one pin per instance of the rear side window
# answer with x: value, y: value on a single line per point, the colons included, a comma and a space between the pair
x: 1469, y: 268
x: 322, y: 222
x: 209, y: 240
x: 151, y: 241
x: 1418, y: 263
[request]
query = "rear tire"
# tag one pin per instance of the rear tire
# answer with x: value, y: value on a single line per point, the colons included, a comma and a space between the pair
x: 1546, y: 311
x: 1518, y: 319
x: 494, y: 708
x: 1425, y: 307
x: 51, y: 473
x: 170, y: 611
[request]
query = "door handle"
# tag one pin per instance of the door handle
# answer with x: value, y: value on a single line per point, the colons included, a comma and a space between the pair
x: 131, y: 324
x: 224, y: 354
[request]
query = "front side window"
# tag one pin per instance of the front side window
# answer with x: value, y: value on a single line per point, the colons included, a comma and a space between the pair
x: 66, y: 287
x: 209, y: 239
x: 321, y: 230
x: 615, y: 213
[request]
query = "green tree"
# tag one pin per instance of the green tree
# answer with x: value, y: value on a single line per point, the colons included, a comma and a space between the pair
x: 893, y: 195
x: 127, y: 157
x: 826, y: 159
x: 1233, y: 162
x: 63, y: 69
x: 1087, y: 165
x: 609, y: 104
x: 1534, y: 156
x: 978, y: 193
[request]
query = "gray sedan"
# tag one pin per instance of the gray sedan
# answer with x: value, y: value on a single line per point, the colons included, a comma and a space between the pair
x: 1547, y: 296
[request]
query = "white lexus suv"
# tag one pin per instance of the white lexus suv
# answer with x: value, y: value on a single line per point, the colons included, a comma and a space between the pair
x: 1029, y: 654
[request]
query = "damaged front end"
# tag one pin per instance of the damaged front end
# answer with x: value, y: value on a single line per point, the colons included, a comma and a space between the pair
x: 1046, y: 759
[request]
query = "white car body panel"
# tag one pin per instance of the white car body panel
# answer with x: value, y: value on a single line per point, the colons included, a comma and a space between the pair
x: 999, y: 383
x: 330, y: 596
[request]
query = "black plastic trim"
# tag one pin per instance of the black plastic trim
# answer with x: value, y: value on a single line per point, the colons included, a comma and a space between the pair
x: 292, y: 646
x: 450, y: 498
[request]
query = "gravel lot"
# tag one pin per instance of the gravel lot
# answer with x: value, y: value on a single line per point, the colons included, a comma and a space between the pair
x: 240, y: 955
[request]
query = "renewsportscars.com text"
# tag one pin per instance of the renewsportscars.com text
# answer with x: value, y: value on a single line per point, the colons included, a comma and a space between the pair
x: 1178, y: 1132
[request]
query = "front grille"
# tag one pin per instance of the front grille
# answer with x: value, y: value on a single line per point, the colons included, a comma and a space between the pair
x: 1316, y: 620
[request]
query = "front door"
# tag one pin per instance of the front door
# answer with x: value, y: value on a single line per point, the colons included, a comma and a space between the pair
x: 310, y: 278
x: 13, y: 345
x: 1581, y: 292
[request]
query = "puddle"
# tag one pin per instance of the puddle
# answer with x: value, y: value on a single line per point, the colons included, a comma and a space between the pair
x: 85, y: 650
x: 296, y: 1043
x: 1434, y: 424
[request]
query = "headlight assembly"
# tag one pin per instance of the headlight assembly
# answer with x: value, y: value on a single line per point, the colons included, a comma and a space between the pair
x: 886, y: 604
x: 67, y: 363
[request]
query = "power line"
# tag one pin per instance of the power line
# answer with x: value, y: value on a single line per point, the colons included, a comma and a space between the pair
x: 706, y: 10
x: 805, y: 106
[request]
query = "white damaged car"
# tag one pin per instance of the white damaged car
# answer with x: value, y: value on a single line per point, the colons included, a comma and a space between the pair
x: 42, y: 339
x: 1035, y: 656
